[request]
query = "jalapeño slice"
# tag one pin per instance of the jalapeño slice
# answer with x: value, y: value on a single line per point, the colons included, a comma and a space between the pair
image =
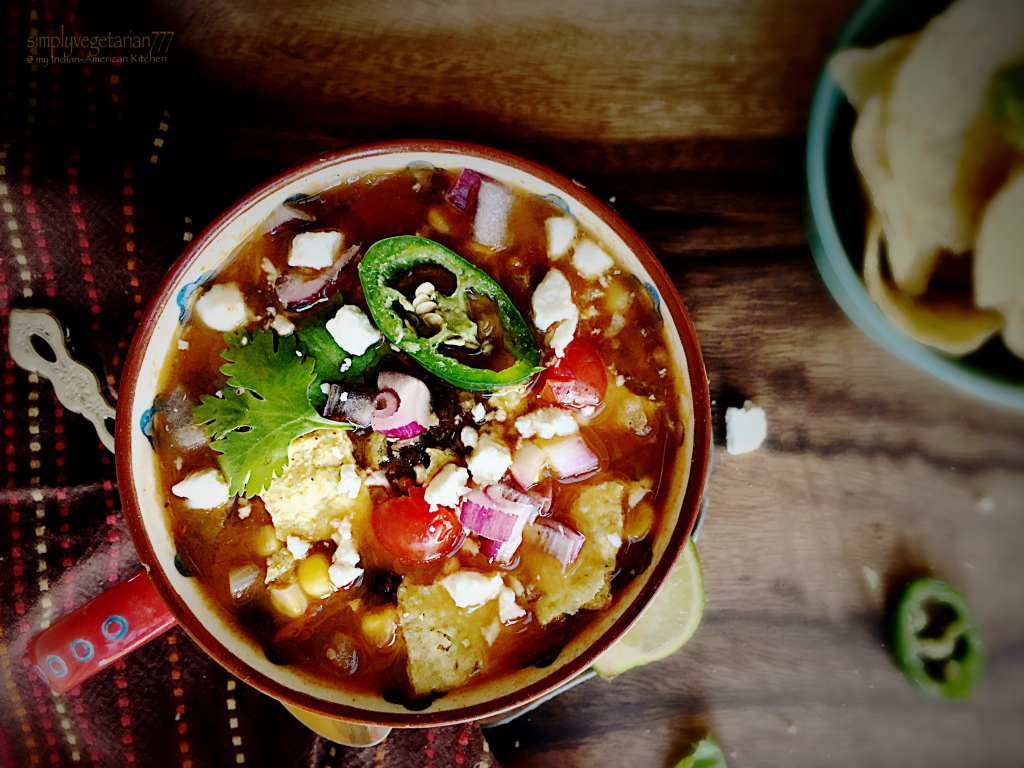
x: 937, y: 640
x: 449, y: 319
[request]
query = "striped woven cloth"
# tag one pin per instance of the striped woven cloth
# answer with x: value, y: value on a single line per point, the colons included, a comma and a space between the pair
x: 95, y: 180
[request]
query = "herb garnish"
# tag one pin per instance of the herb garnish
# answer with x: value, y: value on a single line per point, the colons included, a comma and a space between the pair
x: 264, y: 407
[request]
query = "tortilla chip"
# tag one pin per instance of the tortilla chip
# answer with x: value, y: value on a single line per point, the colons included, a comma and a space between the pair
x: 949, y: 323
x: 999, y: 261
x: 909, y: 266
x: 943, y: 151
x: 861, y: 72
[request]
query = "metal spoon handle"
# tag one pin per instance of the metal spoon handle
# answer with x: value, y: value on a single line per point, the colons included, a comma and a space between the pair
x: 33, y: 332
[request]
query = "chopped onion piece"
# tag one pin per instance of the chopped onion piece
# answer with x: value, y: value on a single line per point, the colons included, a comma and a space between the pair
x: 354, y: 407
x: 500, y: 551
x: 241, y: 581
x: 557, y: 539
x: 412, y: 414
x: 463, y: 192
x: 494, y: 202
x: 495, y: 519
x: 296, y: 291
x: 571, y: 457
x: 528, y: 464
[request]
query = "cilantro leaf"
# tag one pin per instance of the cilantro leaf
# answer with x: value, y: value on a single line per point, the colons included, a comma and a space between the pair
x: 265, y: 406
x: 706, y: 754
x: 1007, y: 101
x: 316, y: 341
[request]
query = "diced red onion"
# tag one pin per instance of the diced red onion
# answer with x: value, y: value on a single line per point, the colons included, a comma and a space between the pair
x: 176, y: 408
x: 354, y: 407
x: 571, y: 457
x: 288, y: 228
x: 386, y: 403
x: 498, y: 514
x: 540, y: 503
x: 296, y: 291
x: 528, y: 464
x: 283, y: 215
x: 558, y: 540
x: 463, y: 192
x: 189, y: 438
x: 500, y: 551
x: 241, y: 581
x: 412, y: 415
x: 492, y: 519
x: 494, y: 202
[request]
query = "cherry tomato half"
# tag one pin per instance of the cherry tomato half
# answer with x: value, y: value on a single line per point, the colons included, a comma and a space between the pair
x: 579, y: 378
x: 409, y: 531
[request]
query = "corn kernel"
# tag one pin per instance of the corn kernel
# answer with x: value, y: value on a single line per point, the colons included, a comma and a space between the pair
x: 639, y: 521
x: 380, y: 627
x: 313, y: 576
x: 617, y: 296
x: 438, y: 221
x: 289, y: 600
x: 266, y: 541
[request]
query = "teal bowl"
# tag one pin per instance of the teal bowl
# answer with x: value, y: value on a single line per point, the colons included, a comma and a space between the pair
x: 834, y: 212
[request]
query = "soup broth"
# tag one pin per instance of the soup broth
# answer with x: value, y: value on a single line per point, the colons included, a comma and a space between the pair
x: 364, y: 562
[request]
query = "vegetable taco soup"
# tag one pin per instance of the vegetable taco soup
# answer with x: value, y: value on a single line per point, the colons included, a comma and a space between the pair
x: 417, y: 432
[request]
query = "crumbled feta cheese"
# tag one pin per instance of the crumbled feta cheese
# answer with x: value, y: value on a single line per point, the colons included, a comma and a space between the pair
x: 552, y: 301
x: 489, y: 461
x: 561, y: 235
x: 587, y: 410
x: 377, y: 478
x: 343, y: 570
x: 491, y: 632
x: 268, y: 266
x: 325, y: 388
x: 547, y: 423
x: 871, y: 576
x: 352, y: 330
x: 500, y: 415
x: 182, y: 344
x: 204, y: 489
x: 349, y: 482
x: 343, y: 575
x: 478, y: 413
x: 620, y: 380
x: 636, y: 495
x: 745, y: 428
x: 244, y: 511
x: 346, y: 553
x: 590, y: 259
x: 469, y: 437
x: 553, y: 306
x: 317, y: 250
x: 447, y: 487
x: 282, y: 325
x: 222, y: 308
x: 345, y: 365
x: 508, y: 609
x: 615, y: 540
x: 298, y: 546
x: 470, y: 589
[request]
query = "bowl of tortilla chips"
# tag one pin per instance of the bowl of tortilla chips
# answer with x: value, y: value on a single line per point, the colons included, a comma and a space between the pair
x: 915, y: 186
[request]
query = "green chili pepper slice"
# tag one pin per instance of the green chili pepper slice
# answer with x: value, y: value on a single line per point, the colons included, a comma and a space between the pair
x: 450, y: 321
x: 937, y: 640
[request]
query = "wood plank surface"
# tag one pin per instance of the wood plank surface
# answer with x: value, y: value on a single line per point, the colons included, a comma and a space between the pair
x: 690, y: 115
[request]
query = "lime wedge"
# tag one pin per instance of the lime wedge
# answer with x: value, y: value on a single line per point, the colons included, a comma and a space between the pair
x: 667, y: 622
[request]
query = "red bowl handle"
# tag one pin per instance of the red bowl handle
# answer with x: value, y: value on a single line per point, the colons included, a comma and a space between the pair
x: 103, y: 630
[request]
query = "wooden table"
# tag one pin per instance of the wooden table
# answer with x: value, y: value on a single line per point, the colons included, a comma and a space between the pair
x: 689, y: 115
